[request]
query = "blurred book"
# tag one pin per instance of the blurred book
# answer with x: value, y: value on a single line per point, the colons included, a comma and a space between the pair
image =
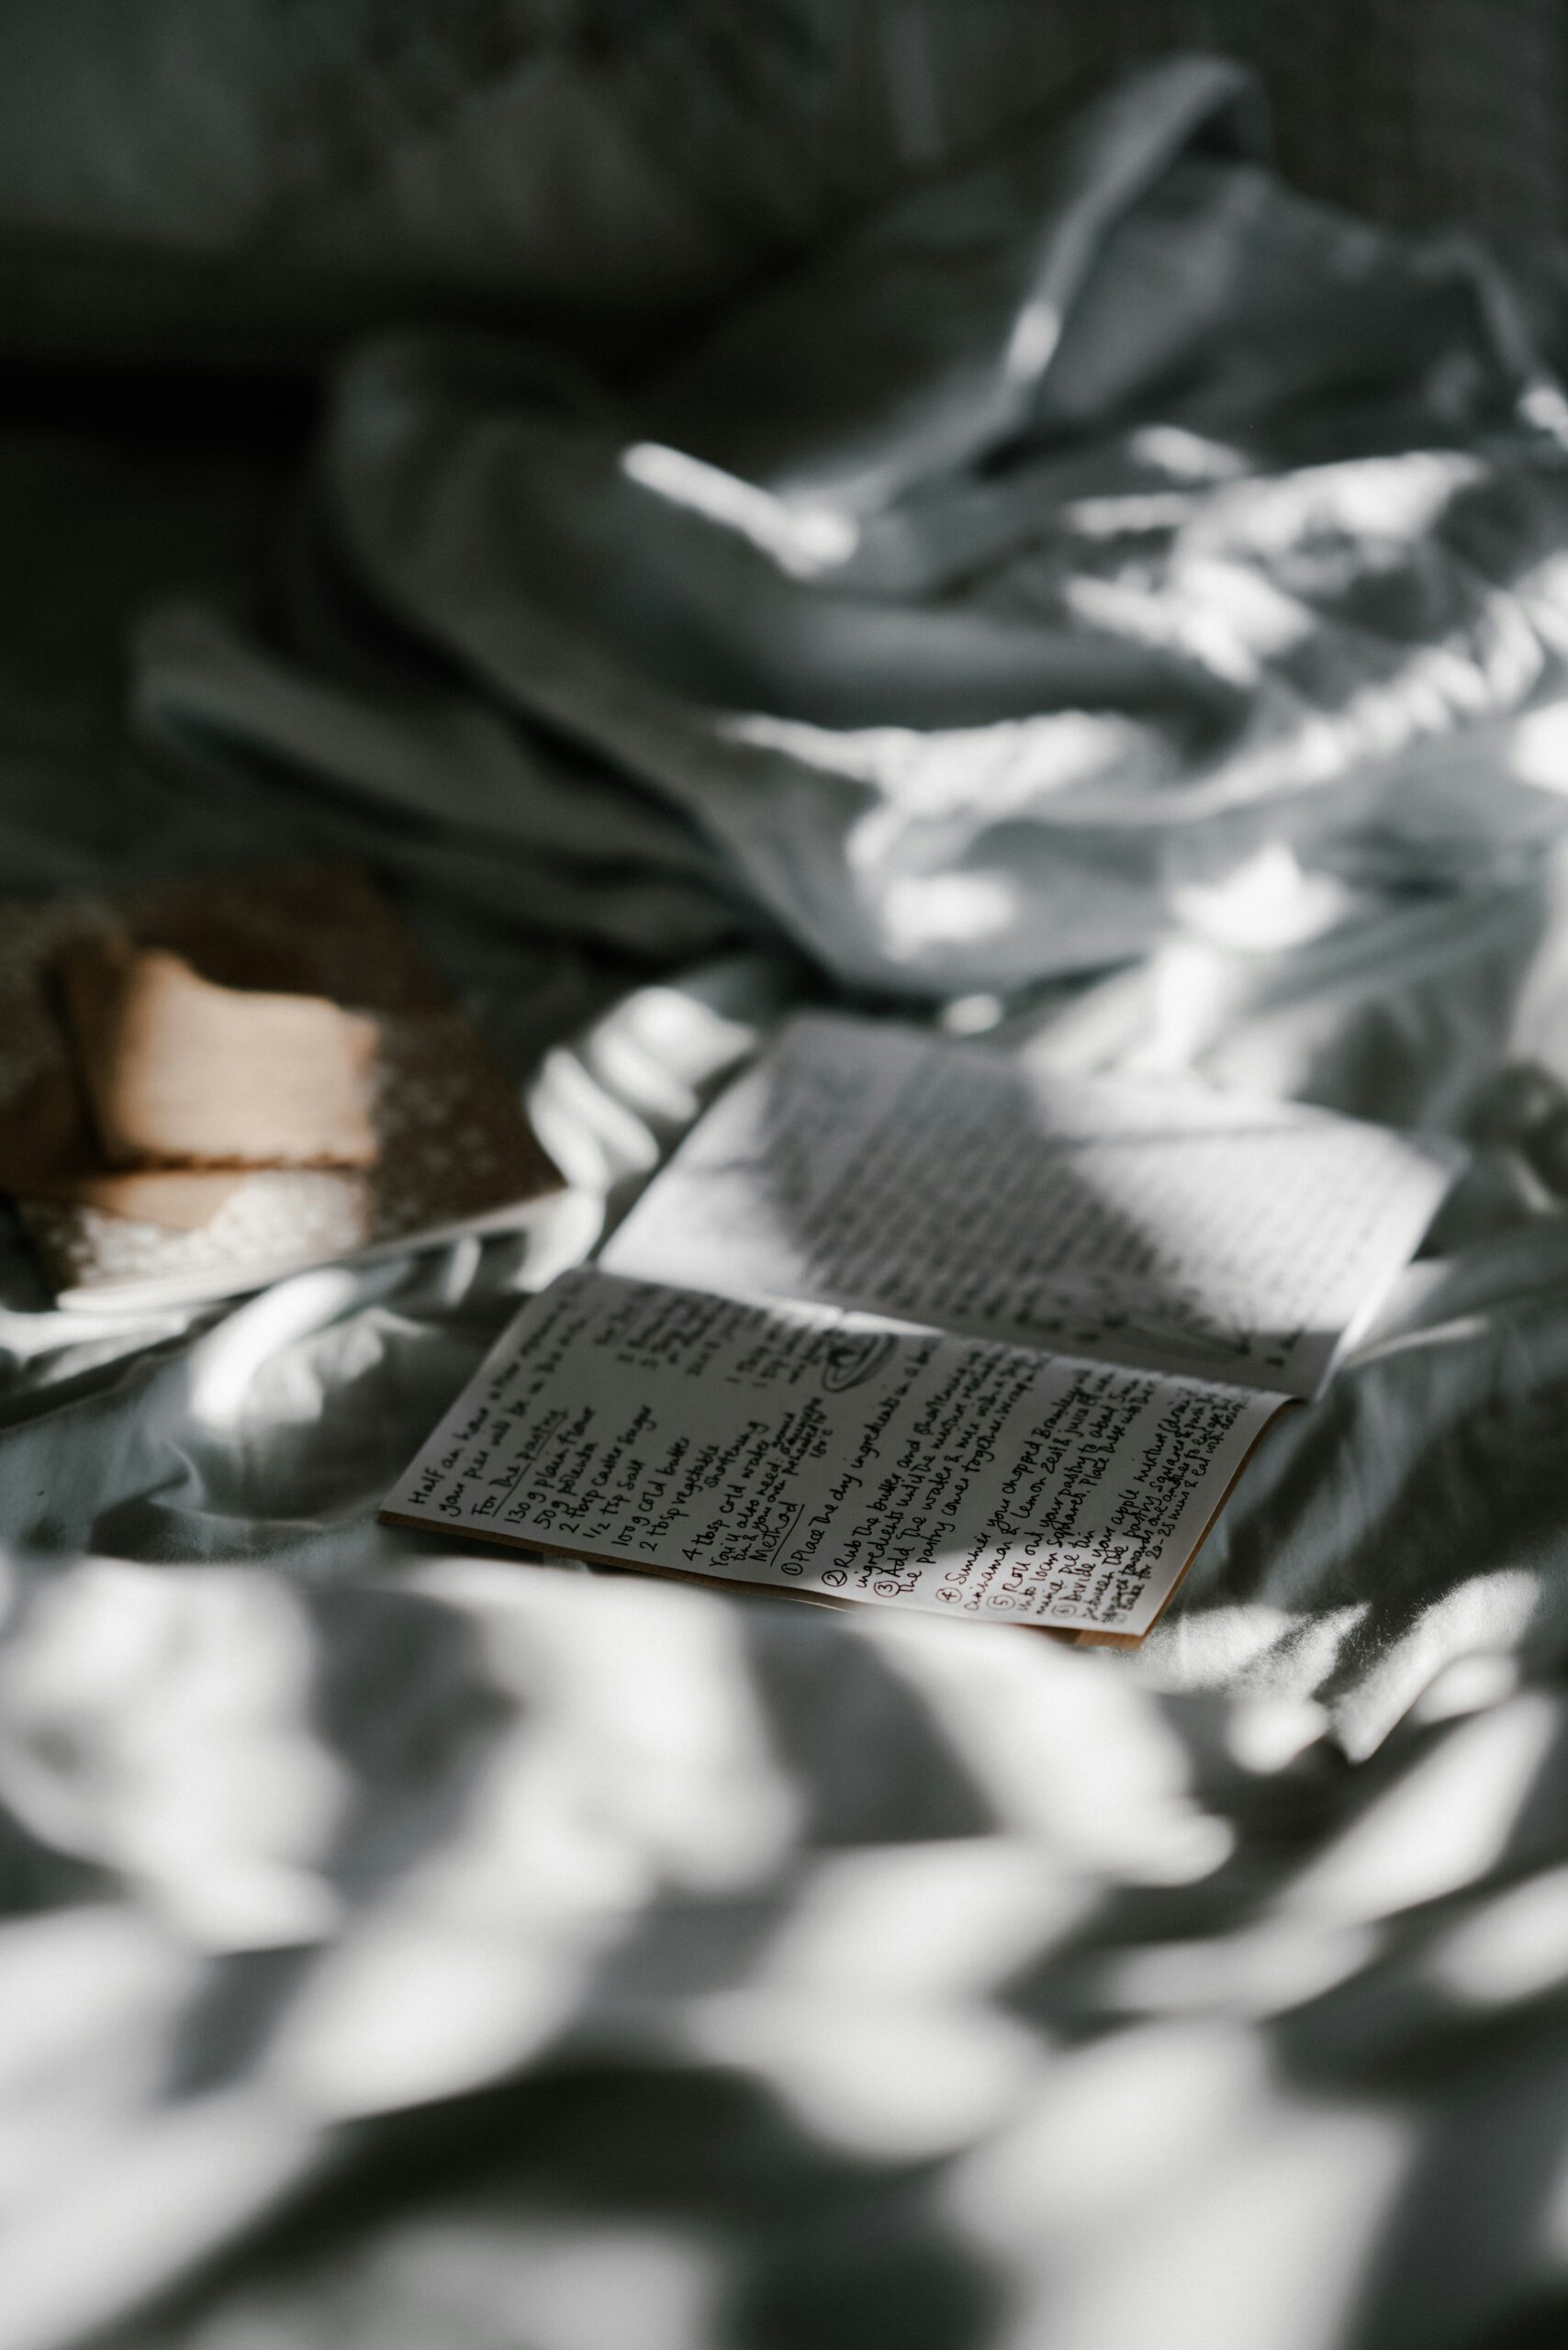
x: 208, y: 1083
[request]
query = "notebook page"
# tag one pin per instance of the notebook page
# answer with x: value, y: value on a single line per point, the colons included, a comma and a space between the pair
x: 1164, y: 1223
x: 835, y: 1455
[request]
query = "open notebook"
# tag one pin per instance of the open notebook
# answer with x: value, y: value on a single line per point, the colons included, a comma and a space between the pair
x: 911, y: 1322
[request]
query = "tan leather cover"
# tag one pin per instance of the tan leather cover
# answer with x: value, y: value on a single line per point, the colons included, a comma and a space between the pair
x: 178, y: 1071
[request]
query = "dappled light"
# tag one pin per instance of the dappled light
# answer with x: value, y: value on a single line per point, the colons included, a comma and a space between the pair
x: 872, y: 2009
x: 1443, y: 1825
x: 1224, y: 2186
x: 932, y: 672
x: 801, y: 540
x: 1513, y: 1946
x: 164, y: 1731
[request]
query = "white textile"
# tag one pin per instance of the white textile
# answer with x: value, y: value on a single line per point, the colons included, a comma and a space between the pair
x: 405, y: 1949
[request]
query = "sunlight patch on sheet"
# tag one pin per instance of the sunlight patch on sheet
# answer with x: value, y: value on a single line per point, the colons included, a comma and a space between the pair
x: 1512, y: 1947
x: 1065, y: 1748
x: 921, y: 911
x: 1249, y: 1638
x: 1185, y: 455
x: 1539, y: 753
x: 663, y: 1048
x: 636, y: 1762
x: 1483, y: 1614
x: 880, y: 2079
x: 1441, y: 1826
x: 803, y: 540
x: 944, y: 771
x: 871, y: 2012
x: 1157, y: 2191
x: 1397, y: 500
x: 411, y: 2007
x: 1267, y: 1730
x: 1032, y: 345
x: 224, y: 1363
x: 650, y: 1733
x: 1105, y: 2126
x: 1267, y: 903
x: 1469, y: 1683
x: 592, y: 1138
x: 1268, y: 2246
x: 436, y: 2281
x: 146, y: 2204
x: 1261, y: 620
x: 972, y: 1016
x: 160, y: 1722
x: 90, y: 1999
x: 1262, y: 1970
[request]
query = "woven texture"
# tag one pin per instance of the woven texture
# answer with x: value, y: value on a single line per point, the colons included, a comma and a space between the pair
x: 1444, y: 109
x: 792, y: 111
x: 268, y: 177
x: 1447, y: 109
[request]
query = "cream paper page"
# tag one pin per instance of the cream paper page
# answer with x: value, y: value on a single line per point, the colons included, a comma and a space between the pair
x: 833, y: 1454
x: 1164, y: 1223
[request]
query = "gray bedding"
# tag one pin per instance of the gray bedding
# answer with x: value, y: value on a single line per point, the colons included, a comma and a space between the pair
x: 1108, y: 603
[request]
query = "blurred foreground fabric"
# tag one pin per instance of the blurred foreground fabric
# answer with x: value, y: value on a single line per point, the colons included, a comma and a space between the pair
x: 1108, y: 603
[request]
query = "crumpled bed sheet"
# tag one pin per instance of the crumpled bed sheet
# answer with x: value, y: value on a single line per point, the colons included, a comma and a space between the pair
x: 401, y: 1948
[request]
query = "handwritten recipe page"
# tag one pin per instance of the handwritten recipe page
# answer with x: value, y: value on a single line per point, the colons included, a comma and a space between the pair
x: 835, y: 1454
x: 1166, y: 1223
